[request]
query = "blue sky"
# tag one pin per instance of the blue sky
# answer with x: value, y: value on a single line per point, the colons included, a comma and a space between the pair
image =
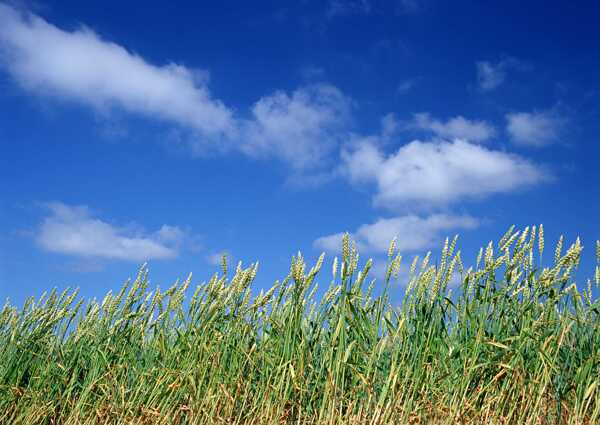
x: 174, y: 133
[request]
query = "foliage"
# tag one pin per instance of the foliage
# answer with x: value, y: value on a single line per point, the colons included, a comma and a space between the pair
x: 516, y: 343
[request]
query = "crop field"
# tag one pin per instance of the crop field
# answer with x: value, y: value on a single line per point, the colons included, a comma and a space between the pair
x: 515, y: 341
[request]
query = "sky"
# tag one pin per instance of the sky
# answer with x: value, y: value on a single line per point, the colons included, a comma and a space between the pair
x: 135, y: 132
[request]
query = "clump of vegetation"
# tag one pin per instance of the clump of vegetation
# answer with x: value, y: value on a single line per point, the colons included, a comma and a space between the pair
x: 516, y: 343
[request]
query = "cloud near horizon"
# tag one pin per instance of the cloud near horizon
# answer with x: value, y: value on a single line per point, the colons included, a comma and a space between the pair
x: 72, y: 230
x: 414, y: 233
x: 425, y: 175
x: 306, y: 128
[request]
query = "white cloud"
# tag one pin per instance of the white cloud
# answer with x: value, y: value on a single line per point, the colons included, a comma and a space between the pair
x: 455, y: 128
x: 414, y: 233
x: 302, y: 128
x: 534, y: 128
x: 79, y: 65
x: 72, y: 230
x: 491, y: 75
x: 436, y: 173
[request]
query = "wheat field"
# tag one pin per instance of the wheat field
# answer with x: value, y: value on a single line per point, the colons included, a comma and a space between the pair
x: 514, y: 342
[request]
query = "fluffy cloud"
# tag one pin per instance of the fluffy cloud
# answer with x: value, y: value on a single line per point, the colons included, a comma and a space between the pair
x: 72, y: 230
x: 301, y: 128
x: 79, y: 65
x: 455, y: 128
x: 414, y: 233
x: 436, y: 173
x: 534, y: 128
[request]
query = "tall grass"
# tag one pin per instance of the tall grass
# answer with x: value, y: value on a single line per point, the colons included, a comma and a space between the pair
x: 517, y: 343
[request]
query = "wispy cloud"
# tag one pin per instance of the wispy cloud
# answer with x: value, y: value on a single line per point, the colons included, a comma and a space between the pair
x: 73, y: 230
x: 414, y: 233
x: 490, y: 75
x: 406, y: 85
x: 390, y: 126
x: 437, y: 172
x: 455, y: 128
x: 81, y: 66
x: 537, y: 128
